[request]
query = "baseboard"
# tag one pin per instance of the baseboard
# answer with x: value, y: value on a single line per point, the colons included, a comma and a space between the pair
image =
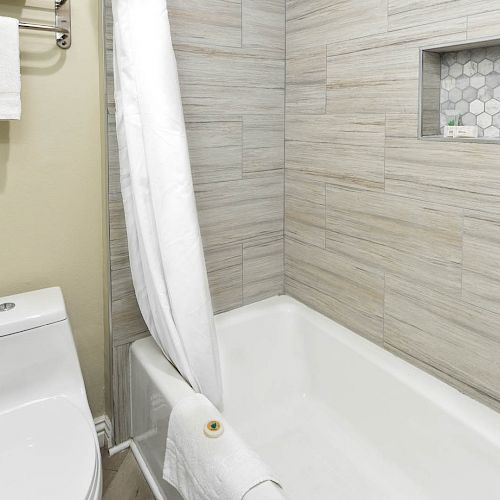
x: 104, y: 431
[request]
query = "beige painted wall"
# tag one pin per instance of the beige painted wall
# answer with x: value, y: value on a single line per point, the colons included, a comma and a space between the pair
x: 51, y: 189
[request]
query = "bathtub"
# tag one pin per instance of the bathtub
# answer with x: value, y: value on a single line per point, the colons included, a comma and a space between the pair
x: 334, y: 415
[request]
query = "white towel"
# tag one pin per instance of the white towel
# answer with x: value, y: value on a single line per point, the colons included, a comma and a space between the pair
x: 10, y: 70
x: 204, y: 468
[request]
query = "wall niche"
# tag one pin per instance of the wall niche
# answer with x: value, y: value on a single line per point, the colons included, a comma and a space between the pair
x: 460, y: 92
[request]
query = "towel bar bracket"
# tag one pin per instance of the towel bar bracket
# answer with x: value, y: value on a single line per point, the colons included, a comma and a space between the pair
x: 63, y: 20
x: 62, y: 26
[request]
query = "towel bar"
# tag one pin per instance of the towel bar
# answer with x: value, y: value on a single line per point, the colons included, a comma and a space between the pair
x: 62, y: 26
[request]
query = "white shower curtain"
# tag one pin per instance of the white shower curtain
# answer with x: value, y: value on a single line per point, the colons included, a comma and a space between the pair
x: 166, y: 253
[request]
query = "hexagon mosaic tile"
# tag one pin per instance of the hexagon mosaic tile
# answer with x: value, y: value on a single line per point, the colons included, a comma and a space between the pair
x: 470, y: 84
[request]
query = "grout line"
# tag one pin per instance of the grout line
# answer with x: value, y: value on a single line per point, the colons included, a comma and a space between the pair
x: 284, y: 142
x: 462, y: 257
x: 385, y: 144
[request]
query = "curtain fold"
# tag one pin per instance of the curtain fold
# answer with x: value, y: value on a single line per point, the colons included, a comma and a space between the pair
x: 165, y: 248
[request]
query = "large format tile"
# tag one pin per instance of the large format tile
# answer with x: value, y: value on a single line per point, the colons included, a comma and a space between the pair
x: 419, y: 240
x: 199, y: 65
x: 225, y: 276
x: 435, y: 33
x: 445, y: 377
x: 127, y: 321
x: 263, y: 143
x: 404, y: 13
x: 483, y: 25
x: 263, y: 24
x: 230, y: 80
x: 304, y: 209
x: 200, y: 98
x: 315, y: 23
x: 206, y: 22
x: 263, y: 270
x: 481, y: 274
x: 460, y: 340
x: 215, y: 148
x: 306, y: 81
x: 369, y: 80
x: 461, y: 174
x: 350, y: 292
x: 121, y: 393
x: 347, y: 150
x: 234, y: 211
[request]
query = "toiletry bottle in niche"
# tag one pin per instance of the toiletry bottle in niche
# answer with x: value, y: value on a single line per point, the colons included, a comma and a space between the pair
x: 452, y: 121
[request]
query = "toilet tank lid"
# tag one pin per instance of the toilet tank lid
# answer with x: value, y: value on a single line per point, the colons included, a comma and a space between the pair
x: 25, y: 311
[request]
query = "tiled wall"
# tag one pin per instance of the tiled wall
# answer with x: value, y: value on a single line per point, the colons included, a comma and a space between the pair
x: 470, y: 85
x: 231, y: 60
x: 398, y: 239
x: 394, y: 237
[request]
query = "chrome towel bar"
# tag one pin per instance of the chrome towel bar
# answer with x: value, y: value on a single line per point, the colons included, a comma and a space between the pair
x: 62, y: 26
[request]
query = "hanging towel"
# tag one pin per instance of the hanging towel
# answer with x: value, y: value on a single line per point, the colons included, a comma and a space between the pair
x: 10, y: 70
x: 209, y: 468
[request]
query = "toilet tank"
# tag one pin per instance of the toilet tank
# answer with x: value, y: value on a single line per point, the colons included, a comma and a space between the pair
x: 38, y: 359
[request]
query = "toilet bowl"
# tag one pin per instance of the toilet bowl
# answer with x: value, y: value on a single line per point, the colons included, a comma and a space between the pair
x: 48, y: 444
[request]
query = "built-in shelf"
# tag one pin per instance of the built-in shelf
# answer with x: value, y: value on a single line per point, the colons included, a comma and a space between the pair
x: 441, y: 138
x: 465, y: 79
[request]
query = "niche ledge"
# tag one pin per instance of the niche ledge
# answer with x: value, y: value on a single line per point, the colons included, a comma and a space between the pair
x: 460, y: 86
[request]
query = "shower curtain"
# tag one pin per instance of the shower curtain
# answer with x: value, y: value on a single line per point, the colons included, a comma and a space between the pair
x: 166, y: 253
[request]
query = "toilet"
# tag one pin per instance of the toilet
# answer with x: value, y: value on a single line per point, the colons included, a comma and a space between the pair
x: 48, y: 444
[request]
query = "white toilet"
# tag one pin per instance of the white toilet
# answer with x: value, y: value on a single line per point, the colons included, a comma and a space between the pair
x: 48, y: 444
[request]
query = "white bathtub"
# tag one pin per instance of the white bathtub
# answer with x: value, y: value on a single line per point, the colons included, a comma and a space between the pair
x: 335, y: 416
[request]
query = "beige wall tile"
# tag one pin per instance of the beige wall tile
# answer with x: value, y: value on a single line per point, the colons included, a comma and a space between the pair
x: 351, y: 293
x: 369, y: 80
x: 347, y: 150
x: 419, y: 240
x: 215, y: 149
x: 263, y: 24
x: 415, y: 231
x: 225, y: 276
x: 314, y: 23
x: 306, y: 81
x: 404, y: 13
x: 230, y: 80
x: 483, y: 25
x: 263, y: 270
x: 481, y: 254
x: 460, y: 174
x: 206, y: 22
x: 263, y: 143
x: 401, y: 125
x: 457, y: 384
x: 232, y: 211
x: 460, y: 340
x: 443, y: 32
x: 304, y: 209
x: 126, y: 318
x: 121, y: 393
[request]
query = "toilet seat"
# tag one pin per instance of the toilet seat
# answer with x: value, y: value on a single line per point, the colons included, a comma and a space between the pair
x: 48, y: 451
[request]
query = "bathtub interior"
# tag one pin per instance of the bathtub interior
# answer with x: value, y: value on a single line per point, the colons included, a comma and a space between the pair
x: 338, y: 417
